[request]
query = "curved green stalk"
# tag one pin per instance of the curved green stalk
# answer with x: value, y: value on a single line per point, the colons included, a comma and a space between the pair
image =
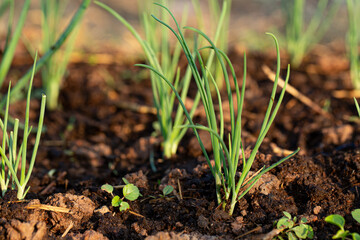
x: 353, y: 41
x: 53, y: 72
x: 11, y: 45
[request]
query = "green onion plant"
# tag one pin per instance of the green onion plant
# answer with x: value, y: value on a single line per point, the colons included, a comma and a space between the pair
x: 354, y: 41
x: 12, y: 37
x: 301, y: 38
x: 165, y: 58
x: 162, y: 55
x: 22, y: 82
x: 54, y: 69
x: 13, y: 159
x: 229, y: 188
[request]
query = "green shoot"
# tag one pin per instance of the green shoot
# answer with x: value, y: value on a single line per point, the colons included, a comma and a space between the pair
x: 4, y: 6
x: 12, y: 39
x: 229, y: 188
x: 164, y: 58
x: 168, y: 189
x: 353, y: 41
x: 357, y: 106
x: 19, y: 158
x: 54, y: 69
x: 130, y: 192
x: 339, y: 221
x: 16, y: 91
x: 166, y: 62
x: 300, y: 38
x: 291, y: 229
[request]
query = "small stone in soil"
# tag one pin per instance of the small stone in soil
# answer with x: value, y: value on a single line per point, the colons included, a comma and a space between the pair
x: 317, y: 210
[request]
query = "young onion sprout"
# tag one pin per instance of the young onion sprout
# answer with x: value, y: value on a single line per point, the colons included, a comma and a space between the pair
x: 229, y: 188
x: 11, y: 161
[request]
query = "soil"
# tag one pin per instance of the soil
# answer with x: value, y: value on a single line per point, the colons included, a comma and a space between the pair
x: 103, y: 132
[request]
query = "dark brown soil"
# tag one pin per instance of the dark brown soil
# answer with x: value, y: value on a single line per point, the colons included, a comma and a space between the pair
x: 98, y: 137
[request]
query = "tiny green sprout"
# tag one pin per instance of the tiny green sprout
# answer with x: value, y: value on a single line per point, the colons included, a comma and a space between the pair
x: 51, y: 173
x: 339, y: 221
x: 165, y: 192
x: 292, y: 230
x: 130, y: 192
x: 116, y: 201
x: 125, y: 181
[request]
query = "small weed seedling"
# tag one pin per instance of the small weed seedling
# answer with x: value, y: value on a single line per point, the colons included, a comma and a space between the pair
x: 165, y: 192
x: 339, y: 221
x: 292, y: 230
x: 130, y: 192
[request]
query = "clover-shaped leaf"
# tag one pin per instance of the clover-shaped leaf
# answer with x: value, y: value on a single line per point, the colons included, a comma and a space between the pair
x: 356, y: 215
x: 107, y: 188
x: 124, y: 206
x: 303, y: 231
x: 116, y: 201
x: 284, y: 223
x: 131, y: 192
x: 336, y: 220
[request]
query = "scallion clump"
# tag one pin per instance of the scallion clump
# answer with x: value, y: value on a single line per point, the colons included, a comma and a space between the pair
x: 227, y: 150
x: 11, y: 157
x: 54, y: 69
x: 300, y: 36
x: 164, y: 57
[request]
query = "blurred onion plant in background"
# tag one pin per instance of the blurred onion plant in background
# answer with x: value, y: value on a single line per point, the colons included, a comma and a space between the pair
x: 302, y: 34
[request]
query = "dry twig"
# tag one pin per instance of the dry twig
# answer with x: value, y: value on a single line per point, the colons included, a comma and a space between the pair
x: 68, y: 229
x: 48, y: 208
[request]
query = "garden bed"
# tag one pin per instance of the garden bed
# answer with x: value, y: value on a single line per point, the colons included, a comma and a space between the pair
x: 105, y: 132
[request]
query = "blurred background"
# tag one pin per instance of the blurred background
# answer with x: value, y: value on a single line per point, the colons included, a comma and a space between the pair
x: 101, y: 32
